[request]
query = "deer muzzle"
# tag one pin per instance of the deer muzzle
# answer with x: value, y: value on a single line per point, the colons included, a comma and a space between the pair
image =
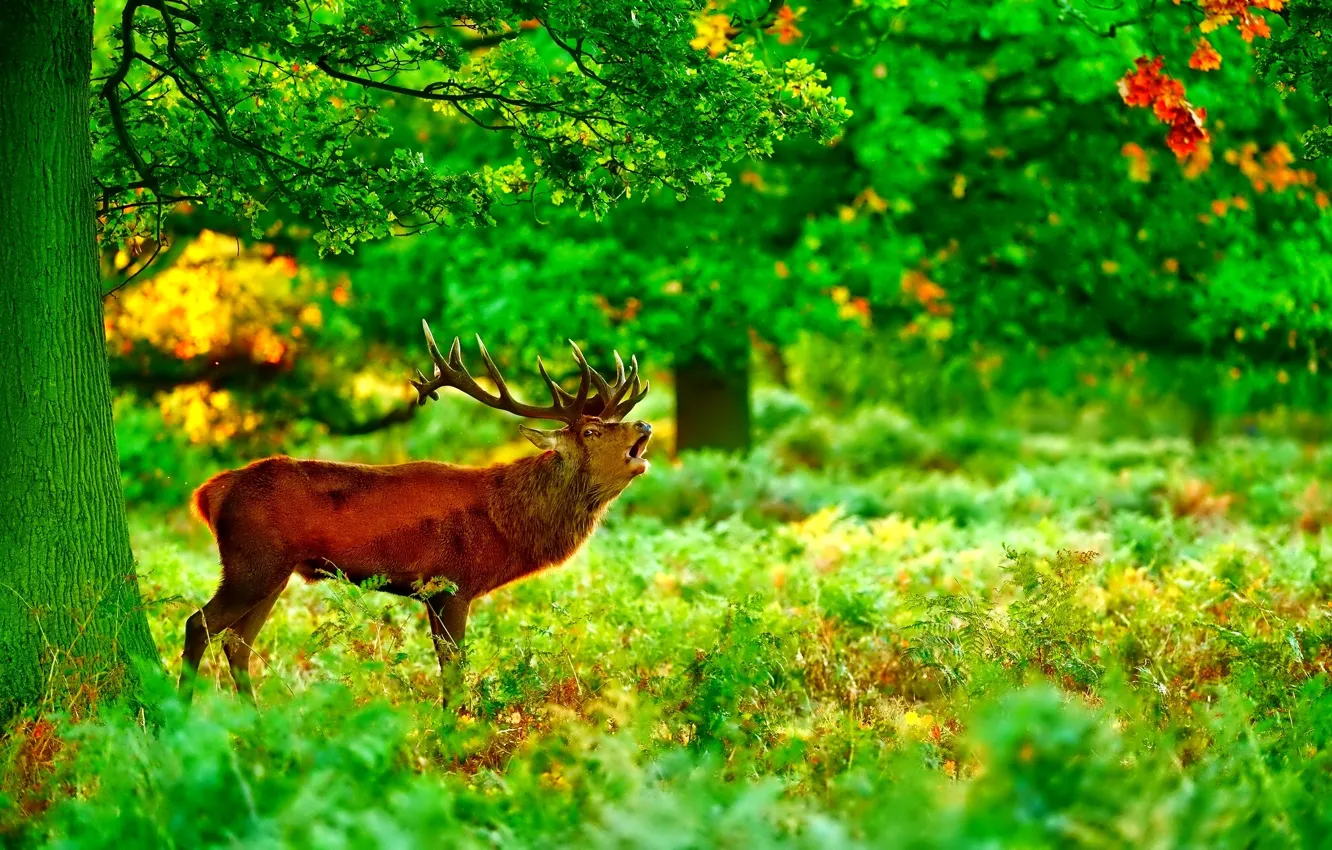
x: 634, y: 457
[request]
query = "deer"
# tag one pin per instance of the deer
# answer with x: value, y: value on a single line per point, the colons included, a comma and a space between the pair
x: 445, y: 533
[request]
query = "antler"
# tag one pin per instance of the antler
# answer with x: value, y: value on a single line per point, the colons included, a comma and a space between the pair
x: 621, y: 396
x: 450, y: 372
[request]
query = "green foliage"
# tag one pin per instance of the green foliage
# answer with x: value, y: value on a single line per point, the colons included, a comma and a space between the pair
x: 1045, y: 251
x: 738, y: 658
x: 985, y: 203
x: 1294, y: 60
x: 1044, y: 630
x: 991, y: 209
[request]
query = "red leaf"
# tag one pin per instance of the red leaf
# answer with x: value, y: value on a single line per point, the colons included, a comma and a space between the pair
x: 1148, y: 86
x: 1141, y: 87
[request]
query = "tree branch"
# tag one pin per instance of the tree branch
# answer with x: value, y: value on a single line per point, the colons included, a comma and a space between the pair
x: 576, y: 52
x: 166, y: 199
x: 430, y: 92
x: 234, y: 371
x: 174, y: 11
x: 113, y: 102
x: 1111, y: 31
x: 395, y: 416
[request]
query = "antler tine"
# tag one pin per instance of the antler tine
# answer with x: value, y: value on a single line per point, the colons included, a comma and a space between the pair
x: 557, y: 392
x: 432, y: 347
x: 423, y: 392
x: 588, y: 372
x: 633, y: 377
x: 494, y: 371
x: 626, y: 391
x: 611, y: 409
x: 603, y: 389
x: 424, y: 388
x: 635, y: 396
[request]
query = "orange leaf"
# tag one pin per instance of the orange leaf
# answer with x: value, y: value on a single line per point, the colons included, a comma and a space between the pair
x: 785, y: 25
x: 1205, y: 57
x: 1254, y: 27
x: 1141, y: 87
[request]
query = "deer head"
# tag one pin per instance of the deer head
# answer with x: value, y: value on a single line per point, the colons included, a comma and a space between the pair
x: 594, y: 438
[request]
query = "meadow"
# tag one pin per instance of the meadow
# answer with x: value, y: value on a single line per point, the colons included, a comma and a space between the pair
x: 866, y: 633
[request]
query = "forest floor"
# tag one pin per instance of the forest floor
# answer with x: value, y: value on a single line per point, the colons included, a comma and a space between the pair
x: 1017, y: 639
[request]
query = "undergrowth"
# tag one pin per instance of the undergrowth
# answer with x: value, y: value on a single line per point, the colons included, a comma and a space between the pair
x: 941, y: 640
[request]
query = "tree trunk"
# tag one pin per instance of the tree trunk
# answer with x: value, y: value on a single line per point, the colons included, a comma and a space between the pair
x: 1202, y: 427
x: 70, y: 614
x: 711, y: 399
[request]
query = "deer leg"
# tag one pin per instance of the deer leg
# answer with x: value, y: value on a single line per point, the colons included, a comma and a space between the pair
x: 448, y: 627
x: 239, y: 644
x: 224, y: 610
x: 196, y: 641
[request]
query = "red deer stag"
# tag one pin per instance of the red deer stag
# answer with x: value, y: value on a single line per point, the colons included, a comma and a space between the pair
x: 419, y: 525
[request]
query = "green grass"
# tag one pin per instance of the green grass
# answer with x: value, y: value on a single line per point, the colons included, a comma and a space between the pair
x: 817, y: 646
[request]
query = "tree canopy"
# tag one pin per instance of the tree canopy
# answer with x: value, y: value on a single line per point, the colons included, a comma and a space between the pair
x: 996, y: 200
x: 996, y: 197
x: 274, y: 108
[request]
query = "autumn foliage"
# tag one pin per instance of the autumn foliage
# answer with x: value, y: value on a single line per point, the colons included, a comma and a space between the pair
x: 1205, y: 57
x: 1272, y: 169
x: 785, y: 26
x: 219, y: 301
x: 1222, y: 13
x: 220, y: 309
x: 1148, y: 86
x: 1140, y: 168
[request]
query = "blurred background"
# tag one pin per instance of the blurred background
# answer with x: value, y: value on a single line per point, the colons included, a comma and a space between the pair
x: 996, y: 243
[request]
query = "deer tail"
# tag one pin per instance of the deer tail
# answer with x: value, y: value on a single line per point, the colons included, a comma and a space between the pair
x: 208, y: 498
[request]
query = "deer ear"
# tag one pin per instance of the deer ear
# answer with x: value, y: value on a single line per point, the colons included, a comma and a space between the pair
x: 545, y: 440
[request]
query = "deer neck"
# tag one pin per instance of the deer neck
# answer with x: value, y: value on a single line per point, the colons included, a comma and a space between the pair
x: 546, y: 508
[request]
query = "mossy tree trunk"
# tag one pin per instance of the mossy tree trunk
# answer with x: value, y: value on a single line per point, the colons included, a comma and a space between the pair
x: 70, y: 614
x: 712, y: 396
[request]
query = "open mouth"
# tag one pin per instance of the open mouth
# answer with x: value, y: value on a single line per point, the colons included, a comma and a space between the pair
x: 639, y: 447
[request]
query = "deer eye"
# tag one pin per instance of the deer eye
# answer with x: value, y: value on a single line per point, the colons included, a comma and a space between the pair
x: 589, y: 432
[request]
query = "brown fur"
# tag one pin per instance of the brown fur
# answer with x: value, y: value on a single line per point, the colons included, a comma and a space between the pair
x: 480, y: 528
x: 206, y: 499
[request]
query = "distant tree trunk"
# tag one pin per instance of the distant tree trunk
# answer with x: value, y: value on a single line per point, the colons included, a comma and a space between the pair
x: 70, y: 615
x: 712, y: 397
x: 1202, y: 427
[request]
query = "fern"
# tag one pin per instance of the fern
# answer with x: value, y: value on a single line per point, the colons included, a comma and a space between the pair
x: 1045, y: 628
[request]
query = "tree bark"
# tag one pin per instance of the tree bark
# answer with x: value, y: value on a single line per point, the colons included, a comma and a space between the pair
x: 71, y: 620
x: 712, y: 397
